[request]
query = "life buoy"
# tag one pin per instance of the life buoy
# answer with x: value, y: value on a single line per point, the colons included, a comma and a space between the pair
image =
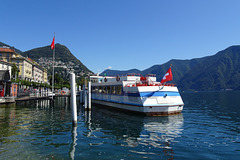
x: 143, y: 78
x: 117, y: 78
x: 63, y: 92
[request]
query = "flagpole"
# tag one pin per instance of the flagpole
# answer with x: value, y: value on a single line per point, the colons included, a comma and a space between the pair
x: 53, y: 69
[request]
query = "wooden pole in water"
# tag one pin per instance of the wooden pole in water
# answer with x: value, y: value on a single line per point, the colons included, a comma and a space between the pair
x: 83, y: 94
x: 85, y: 98
x: 89, y: 96
x: 80, y: 97
x: 73, y: 99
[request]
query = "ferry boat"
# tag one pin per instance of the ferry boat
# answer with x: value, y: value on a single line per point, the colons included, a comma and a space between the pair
x: 135, y: 93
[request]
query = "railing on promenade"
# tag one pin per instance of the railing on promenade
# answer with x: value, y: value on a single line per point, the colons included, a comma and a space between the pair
x: 38, y: 93
x: 33, y: 93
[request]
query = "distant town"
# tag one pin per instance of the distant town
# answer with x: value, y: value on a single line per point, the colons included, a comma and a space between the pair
x: 22, y: 78
x: 47, y: 63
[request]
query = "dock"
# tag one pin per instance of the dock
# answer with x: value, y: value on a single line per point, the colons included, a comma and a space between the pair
x: 27, y: 96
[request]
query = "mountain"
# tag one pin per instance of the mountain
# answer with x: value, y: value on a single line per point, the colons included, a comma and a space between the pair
x: 110, y: 72
x: 220, y: 71
x: 179, y: 69
x: 64, y: 60
x: 16, y: 50
x: 216, y: 72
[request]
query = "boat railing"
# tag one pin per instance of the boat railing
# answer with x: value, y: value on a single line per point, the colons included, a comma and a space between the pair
x: 145, y: 84
x: 151, y: 75
x: 130, y: 74
x: 143, y: 81
x: 157, y: 84
x: 136, y: 74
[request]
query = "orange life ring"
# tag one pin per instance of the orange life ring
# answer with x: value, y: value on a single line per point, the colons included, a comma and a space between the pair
x: 63, y: 92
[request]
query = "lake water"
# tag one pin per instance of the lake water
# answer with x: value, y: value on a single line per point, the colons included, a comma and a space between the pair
x: 208, y: 128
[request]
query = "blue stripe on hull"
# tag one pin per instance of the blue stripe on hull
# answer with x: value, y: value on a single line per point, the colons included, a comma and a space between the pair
x: 128, y: 103
x: 137, y: 104
x: 140, y: 96
x: 153, y: 94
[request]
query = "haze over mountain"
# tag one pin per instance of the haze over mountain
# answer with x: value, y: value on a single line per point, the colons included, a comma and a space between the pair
x: 216, y: 72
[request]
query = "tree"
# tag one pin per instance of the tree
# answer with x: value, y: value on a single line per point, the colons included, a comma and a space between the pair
x: 59, y: 81
x: 14, y: 71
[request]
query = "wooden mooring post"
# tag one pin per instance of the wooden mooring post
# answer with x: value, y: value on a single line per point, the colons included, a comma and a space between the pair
x: 73, y: 99
x: 85, y: 97
x: 89, y: 96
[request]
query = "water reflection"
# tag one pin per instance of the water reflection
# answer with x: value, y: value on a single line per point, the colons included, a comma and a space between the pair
x: 142, y: 135
x: 74, y: 142
x: 222, y: 107
x: 43, y: 130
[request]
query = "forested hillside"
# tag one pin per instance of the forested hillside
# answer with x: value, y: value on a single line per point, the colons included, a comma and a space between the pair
x: 217, y: 72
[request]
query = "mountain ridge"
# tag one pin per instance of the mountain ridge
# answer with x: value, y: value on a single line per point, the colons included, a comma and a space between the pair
x: 64, y: 60
x: 11, y: 47
x: 215, y: 72
x: 220, y: 71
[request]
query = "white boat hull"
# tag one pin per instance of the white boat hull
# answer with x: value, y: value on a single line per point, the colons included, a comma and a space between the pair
x: 130, y: 93
x: 149, y: 102
x: 147, y: 110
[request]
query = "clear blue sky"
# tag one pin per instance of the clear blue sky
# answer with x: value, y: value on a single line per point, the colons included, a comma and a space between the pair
x: 123, y: 34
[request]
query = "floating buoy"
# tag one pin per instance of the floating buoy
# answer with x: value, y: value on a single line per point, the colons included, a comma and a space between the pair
x: 63, y: 92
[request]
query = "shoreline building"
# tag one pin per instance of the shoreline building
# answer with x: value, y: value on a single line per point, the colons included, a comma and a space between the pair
x: 24, y: 66
x: 8, y: 90
x: 45, y: 76
x: 6, y: 66
x: 29, y: 70
x: 37, y: 73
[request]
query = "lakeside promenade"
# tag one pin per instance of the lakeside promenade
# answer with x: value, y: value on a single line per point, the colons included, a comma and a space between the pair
x: 25, y: 95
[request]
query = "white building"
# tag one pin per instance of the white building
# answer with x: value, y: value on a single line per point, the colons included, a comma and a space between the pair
x: 37, y: 73
x: 6, y: 66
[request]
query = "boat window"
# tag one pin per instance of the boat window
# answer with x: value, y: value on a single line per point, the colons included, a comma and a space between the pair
x: 113, y: 89
x: 95, y: 89
x: 108, y: 89
x: 104, y: 89
x: 119, y: 90
x: 100, y: 89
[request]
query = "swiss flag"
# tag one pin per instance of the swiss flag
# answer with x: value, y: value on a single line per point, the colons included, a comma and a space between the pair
x: 167, y: 76
x: 53, y: 43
